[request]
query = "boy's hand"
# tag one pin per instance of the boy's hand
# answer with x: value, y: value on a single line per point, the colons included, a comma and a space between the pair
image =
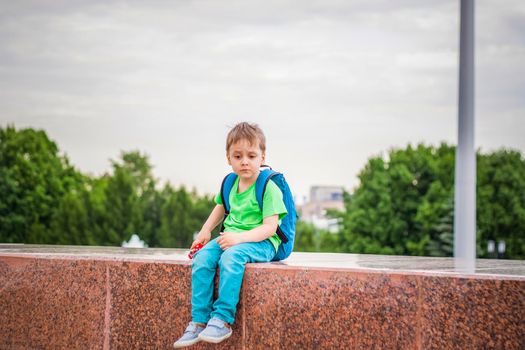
x: 203, y: 238
x: 229, y: 239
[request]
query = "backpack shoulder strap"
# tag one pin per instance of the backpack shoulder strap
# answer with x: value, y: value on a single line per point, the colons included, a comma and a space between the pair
x: 226, y: 188
x: 260, y: 186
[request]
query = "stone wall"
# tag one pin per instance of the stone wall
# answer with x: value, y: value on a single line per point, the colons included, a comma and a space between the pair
x: 94, y: 298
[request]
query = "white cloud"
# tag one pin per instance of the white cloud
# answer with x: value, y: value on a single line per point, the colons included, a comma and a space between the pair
x: 331, y: 82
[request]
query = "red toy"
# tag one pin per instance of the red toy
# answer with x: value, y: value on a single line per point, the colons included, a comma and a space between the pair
x: 194, y: 250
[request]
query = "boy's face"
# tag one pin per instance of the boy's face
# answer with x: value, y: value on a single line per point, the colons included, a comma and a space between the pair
x: 246, y: 159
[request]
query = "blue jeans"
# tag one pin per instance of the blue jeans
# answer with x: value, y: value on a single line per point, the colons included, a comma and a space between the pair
x: 231, y: 263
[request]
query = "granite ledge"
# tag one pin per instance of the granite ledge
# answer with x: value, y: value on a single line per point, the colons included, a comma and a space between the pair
x: 120, y: 298
x: 416, y: 265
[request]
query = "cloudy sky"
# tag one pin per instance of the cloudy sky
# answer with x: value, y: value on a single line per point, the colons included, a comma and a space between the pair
x: 332, y: 83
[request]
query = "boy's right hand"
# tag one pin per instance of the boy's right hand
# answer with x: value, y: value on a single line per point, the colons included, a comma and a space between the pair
x: 203, y: 238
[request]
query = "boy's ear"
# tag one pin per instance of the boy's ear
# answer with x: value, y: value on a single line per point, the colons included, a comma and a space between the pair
x: 228, y: 158
x: 263, y: 157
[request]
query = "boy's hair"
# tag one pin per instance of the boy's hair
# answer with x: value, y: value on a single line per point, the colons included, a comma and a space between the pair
x: 246, y: 131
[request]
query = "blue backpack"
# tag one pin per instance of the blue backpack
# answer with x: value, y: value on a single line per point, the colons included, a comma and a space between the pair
x: 286, y: 230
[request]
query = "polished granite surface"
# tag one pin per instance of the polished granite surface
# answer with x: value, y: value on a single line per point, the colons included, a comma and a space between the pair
x: 75, y: 297
x: 409, y: 264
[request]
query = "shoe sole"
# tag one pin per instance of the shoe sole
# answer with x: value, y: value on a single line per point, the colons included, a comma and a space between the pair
x: 186, y: 343
x: 214, y: 340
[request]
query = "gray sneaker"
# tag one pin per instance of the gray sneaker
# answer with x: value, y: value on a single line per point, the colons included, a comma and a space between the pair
x: 216, y: 331
x: 190, y: 336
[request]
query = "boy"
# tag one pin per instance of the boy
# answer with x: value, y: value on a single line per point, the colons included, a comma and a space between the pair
x: 249, y: 236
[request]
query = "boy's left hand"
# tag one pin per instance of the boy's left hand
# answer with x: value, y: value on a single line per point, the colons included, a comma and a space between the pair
x: 229, y: 239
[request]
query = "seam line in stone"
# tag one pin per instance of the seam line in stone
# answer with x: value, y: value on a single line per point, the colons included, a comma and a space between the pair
x: 107, y: 311
x: 243, y: 298
x: 419, y: 311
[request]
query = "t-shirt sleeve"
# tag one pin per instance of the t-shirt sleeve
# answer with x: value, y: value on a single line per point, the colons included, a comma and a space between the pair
x: 273, y: 201
x: 218, y: 199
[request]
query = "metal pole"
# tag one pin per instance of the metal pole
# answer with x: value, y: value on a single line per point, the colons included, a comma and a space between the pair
x: 465, y: 177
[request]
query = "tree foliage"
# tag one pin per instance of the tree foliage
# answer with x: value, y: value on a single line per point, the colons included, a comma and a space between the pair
x: 45, y: 200
x: 404, y: 203
x: 34, y: 179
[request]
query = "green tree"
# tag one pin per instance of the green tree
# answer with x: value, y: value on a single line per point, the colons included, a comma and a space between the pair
x: 129, y: 199
x: 304, y: 237
x: 70, y: 223
x: 151, y: 206
x: 202, y: 207
x: 370, y: 215
x: 501, y: 201
x: 182, y: 214
x: 121, y: 207
x: 442, y: 232
x: 43, y: 199
x: 94, y: 199
x: 34, y: 178
x: 404, y: 203
x: 309, y: 238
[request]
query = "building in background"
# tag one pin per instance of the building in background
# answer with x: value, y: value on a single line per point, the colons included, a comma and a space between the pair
x: 321, y: 199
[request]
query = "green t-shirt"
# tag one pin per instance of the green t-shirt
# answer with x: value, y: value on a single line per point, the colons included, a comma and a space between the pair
x: 245, y: 213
